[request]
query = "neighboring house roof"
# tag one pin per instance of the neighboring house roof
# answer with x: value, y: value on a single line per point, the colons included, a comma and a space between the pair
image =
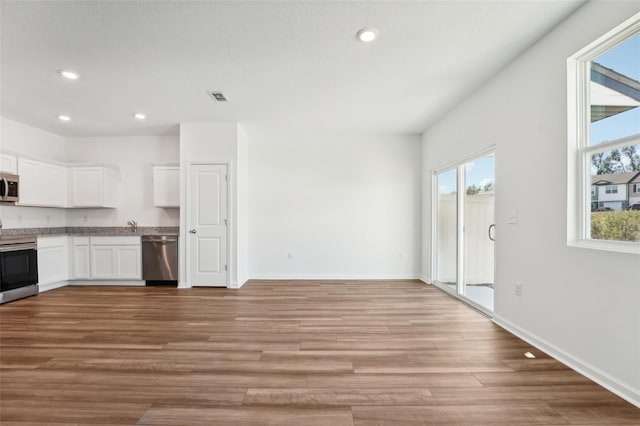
x: 611, y: 92
x: 616, y: 178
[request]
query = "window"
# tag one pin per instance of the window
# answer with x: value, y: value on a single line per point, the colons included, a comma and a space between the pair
x: 636, y: 188
x: 604, y: 137
x: 593, y: 191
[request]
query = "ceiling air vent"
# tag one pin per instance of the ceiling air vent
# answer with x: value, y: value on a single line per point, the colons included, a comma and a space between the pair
x: 217, y: 96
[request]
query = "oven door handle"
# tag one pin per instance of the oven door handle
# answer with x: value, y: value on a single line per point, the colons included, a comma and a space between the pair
x: 17, y: 247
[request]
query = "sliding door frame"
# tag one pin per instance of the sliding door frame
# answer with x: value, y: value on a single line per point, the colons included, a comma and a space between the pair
x: 460, y: 193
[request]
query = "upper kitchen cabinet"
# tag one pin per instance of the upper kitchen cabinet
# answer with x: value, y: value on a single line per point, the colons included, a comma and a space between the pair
x: 93, y: 186
x: 166, y: 186
x: 42, y: 184
x: 8, y: 164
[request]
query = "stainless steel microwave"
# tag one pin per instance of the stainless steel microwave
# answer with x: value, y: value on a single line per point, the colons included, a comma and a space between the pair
x: 9, y: 185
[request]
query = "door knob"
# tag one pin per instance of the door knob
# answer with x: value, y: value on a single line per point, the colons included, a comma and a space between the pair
x: 193, y: 231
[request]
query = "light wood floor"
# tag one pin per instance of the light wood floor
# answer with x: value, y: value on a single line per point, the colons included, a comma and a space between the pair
x: 280, y: 353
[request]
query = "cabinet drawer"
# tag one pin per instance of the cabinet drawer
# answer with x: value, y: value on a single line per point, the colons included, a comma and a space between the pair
x: 80, y: 241
x: 54, y: 241
x: 115, y: 241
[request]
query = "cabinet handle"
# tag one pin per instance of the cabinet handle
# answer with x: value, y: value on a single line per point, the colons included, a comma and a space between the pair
x: 6, y: 188
x: 193, y: 231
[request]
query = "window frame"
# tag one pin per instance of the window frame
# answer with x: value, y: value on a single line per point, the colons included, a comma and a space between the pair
x: 579, y: 150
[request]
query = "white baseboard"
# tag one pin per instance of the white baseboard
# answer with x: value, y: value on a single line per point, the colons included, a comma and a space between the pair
x: 378, y: 277
x: 239, y: 285
x: 623, y: 390
x: 425, y: 279
x: 51, y: 286
x: 183, y: 285
x: 128, y: 283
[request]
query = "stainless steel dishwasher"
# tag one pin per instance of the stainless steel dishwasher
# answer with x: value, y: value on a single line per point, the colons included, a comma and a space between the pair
x: 160, y: 257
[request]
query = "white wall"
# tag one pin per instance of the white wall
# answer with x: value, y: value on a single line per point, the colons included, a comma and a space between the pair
x: 581, y: 305
x: 38, y: 144
x: 134, y: 155
x: 344, y: 206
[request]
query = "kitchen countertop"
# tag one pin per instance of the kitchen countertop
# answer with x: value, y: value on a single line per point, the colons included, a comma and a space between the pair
x: 103, y: 231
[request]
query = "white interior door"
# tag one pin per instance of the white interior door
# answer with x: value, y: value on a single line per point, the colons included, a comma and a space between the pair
x: 207, y: 222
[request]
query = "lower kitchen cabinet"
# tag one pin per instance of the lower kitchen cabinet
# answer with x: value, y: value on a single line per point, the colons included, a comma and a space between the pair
x: 107, y: 258
x: 80, y: 264
x: 53, y: 264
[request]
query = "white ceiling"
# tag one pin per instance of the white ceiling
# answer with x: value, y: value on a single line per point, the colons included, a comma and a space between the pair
x: 284, y: 66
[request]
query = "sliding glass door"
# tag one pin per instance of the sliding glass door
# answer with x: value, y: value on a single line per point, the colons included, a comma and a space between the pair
x: 464, y: 230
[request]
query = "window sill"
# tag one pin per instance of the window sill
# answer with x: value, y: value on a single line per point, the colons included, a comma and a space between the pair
x: 616, y: 246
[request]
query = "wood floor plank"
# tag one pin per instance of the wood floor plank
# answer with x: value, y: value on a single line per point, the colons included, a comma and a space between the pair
x: 538, y: 414
x: 575, y: 395
x: 341, y: 396
x: 280, y: 352
x: 243, y: 416
x: 72, y: 412
x: 349, y: 381
x: 524, y: 378
x: 171, y: 395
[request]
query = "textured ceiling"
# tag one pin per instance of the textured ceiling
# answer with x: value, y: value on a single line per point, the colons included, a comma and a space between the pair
x: 284, y: 66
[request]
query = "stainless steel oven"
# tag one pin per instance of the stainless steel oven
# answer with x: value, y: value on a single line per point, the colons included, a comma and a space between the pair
x: 9, y: 185
x: 18, y: 268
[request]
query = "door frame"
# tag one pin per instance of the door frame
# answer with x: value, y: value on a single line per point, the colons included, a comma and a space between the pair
x: 187, y: 250
x: 460, y: 188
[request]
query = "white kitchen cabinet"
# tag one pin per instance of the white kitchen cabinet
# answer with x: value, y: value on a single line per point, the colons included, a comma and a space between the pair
x: 103, y: 262
x: 80, y: 258
x: 166, y: 186
x: 93, y: 186
x: 53, y: 264
x: 42, y: 184
x: 54, y: 185
x: 115, y: 258
x: 8, y: 164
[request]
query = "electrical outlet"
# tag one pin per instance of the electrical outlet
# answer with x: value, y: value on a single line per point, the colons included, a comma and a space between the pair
x: 290, y: 255
x: 85, y: 218
x: 518, y: 289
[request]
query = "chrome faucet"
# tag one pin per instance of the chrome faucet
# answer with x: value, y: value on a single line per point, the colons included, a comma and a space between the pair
x: 133, y: 224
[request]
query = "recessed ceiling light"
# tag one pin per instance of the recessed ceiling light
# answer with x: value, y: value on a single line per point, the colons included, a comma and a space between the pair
x: 64, y: 117
x: 68, y: 74
x: 367, y: 34
x: 139, y: 116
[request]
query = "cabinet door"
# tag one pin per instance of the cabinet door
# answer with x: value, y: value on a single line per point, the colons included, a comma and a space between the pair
x: 53, y: 185
x: 52, y: 260
x: 86, y: 187
x: 129, y: 262
x: 8, y: 164
x: 81, y: 263
x: 30, y: 182
x: 103, y: 262
x: 166, y: 186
